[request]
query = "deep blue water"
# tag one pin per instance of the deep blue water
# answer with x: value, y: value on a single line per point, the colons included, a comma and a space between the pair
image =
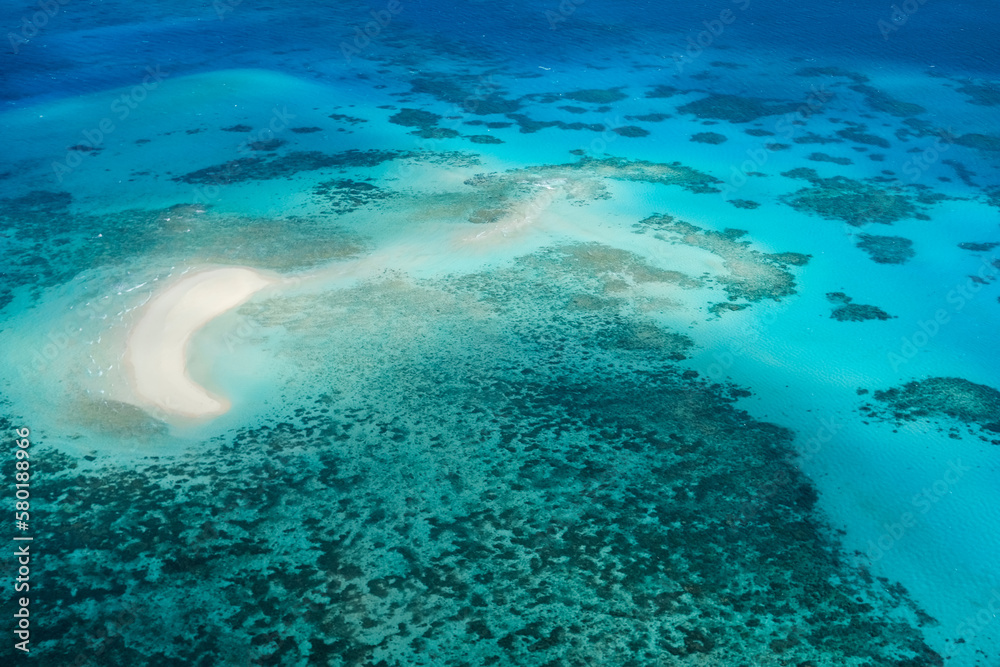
x: 100, y: 46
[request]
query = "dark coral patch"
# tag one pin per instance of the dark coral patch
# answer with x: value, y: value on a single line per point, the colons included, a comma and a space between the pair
x: 736, y: 109
x: 880, y: 101
x: 886, y: 249
x: 854, y: 312
x: 350, y: 120
x: 660, y: 92
x: 983, y: 142
x: 937, y: 397
x: 978, y: 247
x: 466, y: 92
x: 858, y: 134
x: 811, y: 138
x: 250, y: 169
x: 345, y: 195
x: 633, y: 131
x: 597, y: 96
x: 853, y: 202
x: 529, y: 125
x: 484, y: 139
x: 267, y: 145
x: 436, y: 133
x: 823, y: 157
x: 983, y: 94
x: 832, y: 72
x: 414, y: 118
x: 651, y: 117
x: 708, y: 138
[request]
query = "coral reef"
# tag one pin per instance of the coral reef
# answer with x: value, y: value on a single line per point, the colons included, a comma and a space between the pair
x: 633, y: 131
x: 661, y: 92
x: 471, y: 93
x: 484, y: 139
x: 939, y: 397
x: 259, y: 169
x: 983, y: 142
x: 751, y: 275
x: 880, y: 101
x: 812, y: 138
x: 978, y: 247
x: 854, y: 312
x: 596, y: 96
x: 832, y: 72
x: 515, y: 454
x: 886, y: 249
x: 984, y: 94
x: 853, y: 202
x: 823, y: 157
x: 708, y: 138
x: 344, y: 118
x: 858, y: 134
x: 736, y: 109
x: 345, y: 195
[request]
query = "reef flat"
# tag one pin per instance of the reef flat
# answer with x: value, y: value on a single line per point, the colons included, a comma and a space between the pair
x: 544, y: 461
x: 943, y: 398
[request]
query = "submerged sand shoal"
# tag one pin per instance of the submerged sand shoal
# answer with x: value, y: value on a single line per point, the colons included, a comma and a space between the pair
x: 157, y: 346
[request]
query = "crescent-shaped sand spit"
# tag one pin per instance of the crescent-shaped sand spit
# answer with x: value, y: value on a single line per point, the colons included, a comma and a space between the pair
x: 156, y: 350
x: 157, y: 346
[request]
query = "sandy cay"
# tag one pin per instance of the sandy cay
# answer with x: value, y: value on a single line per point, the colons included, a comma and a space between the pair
x: 157, y: 346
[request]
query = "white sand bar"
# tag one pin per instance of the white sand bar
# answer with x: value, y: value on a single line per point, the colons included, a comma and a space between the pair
x: 157, y: 345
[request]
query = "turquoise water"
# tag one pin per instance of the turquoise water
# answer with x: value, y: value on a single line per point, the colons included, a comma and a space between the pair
x: 587, y: 348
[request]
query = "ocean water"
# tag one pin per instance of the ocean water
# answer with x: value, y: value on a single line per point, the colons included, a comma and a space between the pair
x: 602, y: 333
